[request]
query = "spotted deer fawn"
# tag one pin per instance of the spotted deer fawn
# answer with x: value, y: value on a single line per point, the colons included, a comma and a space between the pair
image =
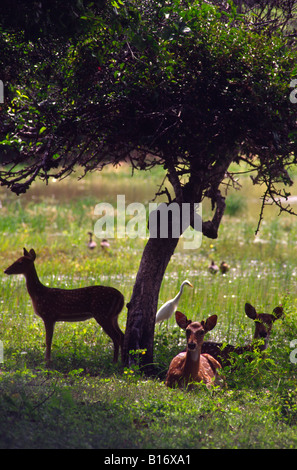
x: 191, y: 366
x: 263, y: 326
x: 52, y: 304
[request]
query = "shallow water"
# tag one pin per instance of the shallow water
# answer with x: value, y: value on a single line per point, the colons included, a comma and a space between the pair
x: 104, y: 186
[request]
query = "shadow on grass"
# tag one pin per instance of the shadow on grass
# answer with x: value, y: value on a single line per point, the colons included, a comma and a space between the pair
x: 97, y: 362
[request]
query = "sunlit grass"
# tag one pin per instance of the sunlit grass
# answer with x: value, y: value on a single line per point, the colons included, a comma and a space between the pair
x: 262, y: 269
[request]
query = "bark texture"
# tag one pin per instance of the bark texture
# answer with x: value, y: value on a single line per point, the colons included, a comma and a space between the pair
x: 142, y: 307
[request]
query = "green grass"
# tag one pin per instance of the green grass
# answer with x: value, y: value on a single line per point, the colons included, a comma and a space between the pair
x: 85, y: 401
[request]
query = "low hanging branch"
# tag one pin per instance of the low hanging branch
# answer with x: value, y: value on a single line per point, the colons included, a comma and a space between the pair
x: 272, y: 195
x: 211, y: 227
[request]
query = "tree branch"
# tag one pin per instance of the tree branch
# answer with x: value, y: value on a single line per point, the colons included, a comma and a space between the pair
x: 175, y: 182
x: 211, y: 227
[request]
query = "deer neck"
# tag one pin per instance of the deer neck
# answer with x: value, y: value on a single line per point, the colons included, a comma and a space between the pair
x: 32, y: 281
x: 191, y: 367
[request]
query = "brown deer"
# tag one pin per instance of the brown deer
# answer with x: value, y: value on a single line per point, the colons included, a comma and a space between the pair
x: 191, y: 366
x: 52, y: 304
x: 263, y: 326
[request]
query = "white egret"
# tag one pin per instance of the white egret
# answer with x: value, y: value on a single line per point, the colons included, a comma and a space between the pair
x: 168, y: 309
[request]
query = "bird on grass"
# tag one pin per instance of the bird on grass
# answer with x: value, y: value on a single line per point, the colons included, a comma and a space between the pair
x: 168, y: 309
x: 213, y: 268
x: 91, y: 243
x: 224, y: 267
x: 104, y: 244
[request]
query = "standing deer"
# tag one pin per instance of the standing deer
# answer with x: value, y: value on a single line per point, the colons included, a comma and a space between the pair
x: 191, y: 366
x: 52, y: 304
x: 263, y: 326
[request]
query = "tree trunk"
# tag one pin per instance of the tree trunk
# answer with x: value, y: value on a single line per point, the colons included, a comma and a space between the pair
x: 142, y: 307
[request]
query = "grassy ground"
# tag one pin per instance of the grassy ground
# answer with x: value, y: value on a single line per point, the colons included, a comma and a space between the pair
x: 84, y: 401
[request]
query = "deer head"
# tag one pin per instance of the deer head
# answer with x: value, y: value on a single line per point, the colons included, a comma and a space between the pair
x: 263, y: 321
x: 21, y: 265
x: 195, y: 331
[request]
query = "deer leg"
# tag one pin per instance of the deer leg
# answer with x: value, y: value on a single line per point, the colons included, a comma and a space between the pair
x: 110, y: 330
x: 49, y: 331
x: 121, y: 335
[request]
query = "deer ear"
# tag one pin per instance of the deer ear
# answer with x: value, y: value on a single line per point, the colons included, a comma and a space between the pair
x: 278, y: 312
x: 250, y: 311
x: 182, y: 320
x: 32, y: 254
x: 26, y: 253
x: 210, y: 323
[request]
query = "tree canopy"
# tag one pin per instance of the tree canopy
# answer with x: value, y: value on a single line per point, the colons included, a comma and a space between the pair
x: 183, y: 84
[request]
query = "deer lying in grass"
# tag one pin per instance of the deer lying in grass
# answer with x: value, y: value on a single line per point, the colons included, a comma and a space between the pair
x: 52, y: 304
x: 191, y: 366
x: 263, y: 326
